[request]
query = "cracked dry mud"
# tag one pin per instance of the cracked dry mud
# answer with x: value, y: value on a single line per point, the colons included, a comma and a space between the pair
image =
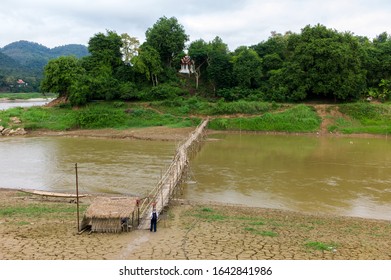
x: 191, y: 231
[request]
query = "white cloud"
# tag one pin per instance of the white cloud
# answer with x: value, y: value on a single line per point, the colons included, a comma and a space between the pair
x: 249, y: 22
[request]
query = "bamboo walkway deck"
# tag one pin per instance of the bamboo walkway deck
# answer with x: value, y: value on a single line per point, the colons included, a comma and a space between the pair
x: 164, y: 190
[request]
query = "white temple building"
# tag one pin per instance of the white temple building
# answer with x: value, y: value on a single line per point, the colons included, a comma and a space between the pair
x: 187, y: 65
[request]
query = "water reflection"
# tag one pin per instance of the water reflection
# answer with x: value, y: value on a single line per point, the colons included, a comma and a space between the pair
x: 328, y: 175
x: 26, y: 103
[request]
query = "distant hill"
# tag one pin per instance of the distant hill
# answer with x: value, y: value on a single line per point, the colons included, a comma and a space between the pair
x: 71, y: 49
x: 7, y: 62
x: 9, y: 67
x: 33, y: 55
x: 26, y: 60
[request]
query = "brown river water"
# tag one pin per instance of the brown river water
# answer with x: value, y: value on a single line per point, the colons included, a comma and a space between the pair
x: 328, y: 175
x: 131, y: 167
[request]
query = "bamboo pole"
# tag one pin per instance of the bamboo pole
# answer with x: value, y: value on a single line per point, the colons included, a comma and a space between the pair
x: 77, y: 199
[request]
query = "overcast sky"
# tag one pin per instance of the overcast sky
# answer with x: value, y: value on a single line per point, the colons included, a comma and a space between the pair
x: 59, y: 22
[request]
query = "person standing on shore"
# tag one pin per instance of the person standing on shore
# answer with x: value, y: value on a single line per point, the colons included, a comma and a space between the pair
x: 154, y: 216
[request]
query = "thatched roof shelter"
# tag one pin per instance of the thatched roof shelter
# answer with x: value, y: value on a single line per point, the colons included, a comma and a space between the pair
x: 107, y: 214
x: 111, y: 207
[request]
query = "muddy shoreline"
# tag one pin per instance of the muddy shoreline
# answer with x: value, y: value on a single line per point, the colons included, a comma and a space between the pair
x: 161, y: 133
x: 187, y: 230
x: 164, y: 133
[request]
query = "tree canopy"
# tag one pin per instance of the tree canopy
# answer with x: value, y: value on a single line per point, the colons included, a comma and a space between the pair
x: 322, y: 62
x: 168, y: 37
x: 60, y: 74
x: 318, y: 62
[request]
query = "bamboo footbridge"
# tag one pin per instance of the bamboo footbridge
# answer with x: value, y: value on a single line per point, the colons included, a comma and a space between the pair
x: 161, y: 195
x: 116, y: 214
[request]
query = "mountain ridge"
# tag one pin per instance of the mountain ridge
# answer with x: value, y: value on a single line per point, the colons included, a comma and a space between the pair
x: 30, y: 53
x: 26, y: 60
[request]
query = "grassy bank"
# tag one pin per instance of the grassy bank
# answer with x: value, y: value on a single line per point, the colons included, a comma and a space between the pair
x: 94, y: 116
x: 299, y: 118
x: 238, y: 116
x: 247, y: 115
x: 196, y: 106
x: 364, y: 118
x: 26, y: 95
x: 359, y: 117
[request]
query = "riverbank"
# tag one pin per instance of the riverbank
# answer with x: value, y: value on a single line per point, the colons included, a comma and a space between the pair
x: 162, y: 133
x: 36, y: 228
x: 250, y: 117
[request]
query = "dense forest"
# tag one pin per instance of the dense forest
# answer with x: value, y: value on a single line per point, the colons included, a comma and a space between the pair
x: 25, y: 61
x: 318, y: 63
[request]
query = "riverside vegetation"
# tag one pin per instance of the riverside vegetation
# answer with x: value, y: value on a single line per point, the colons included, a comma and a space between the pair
x: 358, y: 117
x: 123, y: 84
x: 25, y: 95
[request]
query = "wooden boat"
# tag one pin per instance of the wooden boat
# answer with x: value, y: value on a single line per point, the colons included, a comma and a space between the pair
x: 52, y: 194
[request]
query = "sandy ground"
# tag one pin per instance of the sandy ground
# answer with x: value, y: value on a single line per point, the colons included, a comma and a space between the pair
x: 36, y: 228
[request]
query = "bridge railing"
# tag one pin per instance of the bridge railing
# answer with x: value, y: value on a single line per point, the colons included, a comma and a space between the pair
x: 162, y: 193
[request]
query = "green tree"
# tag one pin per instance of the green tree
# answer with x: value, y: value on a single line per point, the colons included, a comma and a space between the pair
x: 60, y: 74
x: 378, y: 63
x: 130, y: 47
x: 103, y: 85
x: 273, y: 53
x: 198, y: 51
x: 286, y: 84
x: 148, y: 63
x: 167, y: 37
x: 80, y: 90
x: 276, y: 43
x: 326, y: 63
x: 106, y: 49
x: 247, y: 68
x: 104, y: 69
x: 219, y: 66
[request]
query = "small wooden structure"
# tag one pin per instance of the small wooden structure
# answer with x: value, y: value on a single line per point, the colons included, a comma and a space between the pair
x: 111, y: 214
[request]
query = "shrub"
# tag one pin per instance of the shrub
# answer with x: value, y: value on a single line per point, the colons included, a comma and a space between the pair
x: 128, y: 91
x: 241, y: 107
x: 163, y: 92
x: 237, y: 93
x: 300, y: 118
x: 364, y: 110
x: 100, y: 117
